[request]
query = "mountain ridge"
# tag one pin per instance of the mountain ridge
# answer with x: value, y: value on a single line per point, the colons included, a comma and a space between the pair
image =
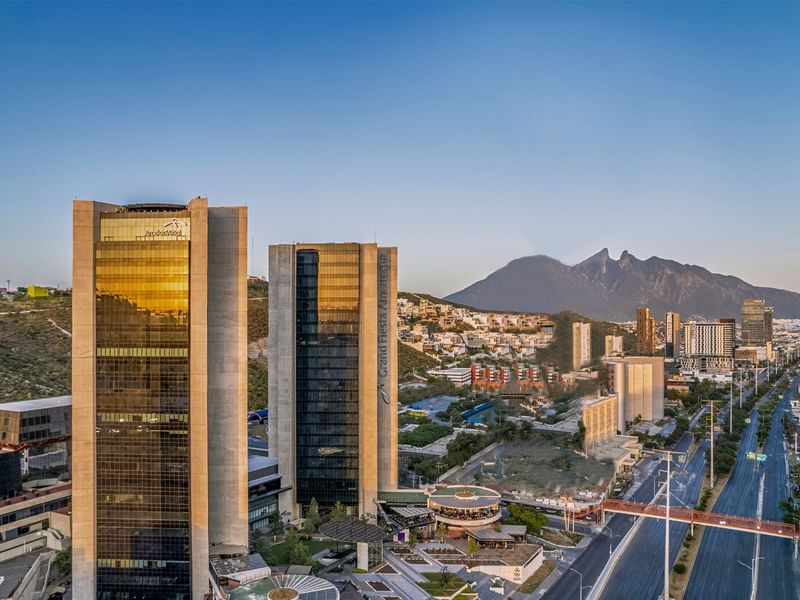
x: 611, y: 289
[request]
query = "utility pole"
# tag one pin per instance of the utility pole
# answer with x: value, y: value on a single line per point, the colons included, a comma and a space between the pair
x: 730, y: 412
x: 668, y: 457
x: 666, y: 534
x: 712, y: 425
x: 741, y: 391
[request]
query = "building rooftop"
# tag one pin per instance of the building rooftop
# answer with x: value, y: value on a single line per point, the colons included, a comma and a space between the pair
x: 352, y: 530
x: 256, y: 462
x: 306, y: 587
x: 14, y: 571
x: 412, y: 496
x: 37, y: 404
x: 465, y: 496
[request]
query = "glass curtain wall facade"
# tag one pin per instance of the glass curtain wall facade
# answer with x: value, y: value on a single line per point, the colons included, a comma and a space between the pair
x: 142, y: 406
x: 327, y: 373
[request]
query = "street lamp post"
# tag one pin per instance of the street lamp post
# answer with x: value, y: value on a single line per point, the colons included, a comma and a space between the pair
x: 668, y: 457
x: 752, y: 567
x: 611, y: 536
x: 730, y: 412
x: 580, y: 591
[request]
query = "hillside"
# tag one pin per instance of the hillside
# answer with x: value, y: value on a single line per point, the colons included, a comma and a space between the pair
x: 560, y: 350
x: 34, y: 352
x: 611, y: 290
x: 410, y: 360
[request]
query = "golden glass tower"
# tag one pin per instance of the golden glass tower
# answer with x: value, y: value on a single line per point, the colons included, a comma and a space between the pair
x: 159, y: 396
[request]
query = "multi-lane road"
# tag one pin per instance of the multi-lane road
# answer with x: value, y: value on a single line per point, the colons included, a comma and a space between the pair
x: 724, y: 564
x: 593, y: 560
x: 639, y: 571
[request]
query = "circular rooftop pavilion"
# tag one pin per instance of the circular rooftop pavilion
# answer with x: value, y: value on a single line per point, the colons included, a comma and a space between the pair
x: 465, y: 505
x: 287, y: 587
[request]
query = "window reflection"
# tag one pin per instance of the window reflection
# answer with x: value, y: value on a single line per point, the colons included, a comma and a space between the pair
x: 142, y: 402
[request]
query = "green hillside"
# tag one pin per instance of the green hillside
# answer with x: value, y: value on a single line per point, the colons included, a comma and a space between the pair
x: 409, y: 360
x: 34, y: 352
x: 560, y: 350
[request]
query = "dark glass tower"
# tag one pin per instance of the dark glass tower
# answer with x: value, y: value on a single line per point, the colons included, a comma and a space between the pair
x: 326, y: 375
x: 333, y: 373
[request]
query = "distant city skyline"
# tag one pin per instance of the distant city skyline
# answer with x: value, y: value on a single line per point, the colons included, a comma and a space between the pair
x: 465, y: 134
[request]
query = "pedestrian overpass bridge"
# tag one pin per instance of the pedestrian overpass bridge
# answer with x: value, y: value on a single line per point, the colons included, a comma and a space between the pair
x: 693, y: 517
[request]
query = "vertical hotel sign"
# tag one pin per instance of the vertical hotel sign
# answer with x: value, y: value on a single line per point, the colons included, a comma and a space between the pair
x: 384, y: 322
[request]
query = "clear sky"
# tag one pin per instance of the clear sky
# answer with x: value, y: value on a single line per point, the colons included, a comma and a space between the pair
x: 467, y: 134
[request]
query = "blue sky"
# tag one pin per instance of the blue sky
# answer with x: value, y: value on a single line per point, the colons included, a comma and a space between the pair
x: 467, y: 134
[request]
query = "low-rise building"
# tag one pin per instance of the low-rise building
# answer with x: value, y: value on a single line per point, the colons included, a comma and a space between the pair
x: 264, y: 487
x: 460, y: 376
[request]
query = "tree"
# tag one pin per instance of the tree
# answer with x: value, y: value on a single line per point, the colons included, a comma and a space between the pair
x: 258, y: 544
x: 472, y: 547
x: 339, y: 512
x: 312, y: 516
x: 63, y: 561
x: 299, y: 554
x: 296, y: 551
x: 412, y: 538
x: 276, y: 524
x: 531, y: 518
x: 442, y: 531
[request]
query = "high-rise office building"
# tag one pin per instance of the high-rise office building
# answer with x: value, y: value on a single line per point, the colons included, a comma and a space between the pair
x: 756, y: 323
x: 768, y: 313
x: 159, y: 391
x: 645, y: 332
x: 581, y: 345
x: 333, y: 373
x: 672, y: 335
x: 708, y: 347
x: 638, y: 382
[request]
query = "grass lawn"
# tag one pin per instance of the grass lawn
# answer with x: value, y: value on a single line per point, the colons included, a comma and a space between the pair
x: 277, y: 554
x: 434, y: 586
x: 535, y: 580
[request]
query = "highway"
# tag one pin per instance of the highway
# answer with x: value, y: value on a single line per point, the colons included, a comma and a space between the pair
x: 776, y: 578
x: 717, y: 571
x: 640, y: 571
x: 593, y: 560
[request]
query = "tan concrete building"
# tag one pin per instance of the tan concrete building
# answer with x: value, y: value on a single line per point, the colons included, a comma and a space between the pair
x: 159, y: 388
x: 613, y: 345
x: 600, y: 418
x: 638, y: 381
x: 333, y: 373
x: 581, y: 345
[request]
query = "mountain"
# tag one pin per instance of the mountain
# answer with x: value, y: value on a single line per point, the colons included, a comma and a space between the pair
x: 608, y: 289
